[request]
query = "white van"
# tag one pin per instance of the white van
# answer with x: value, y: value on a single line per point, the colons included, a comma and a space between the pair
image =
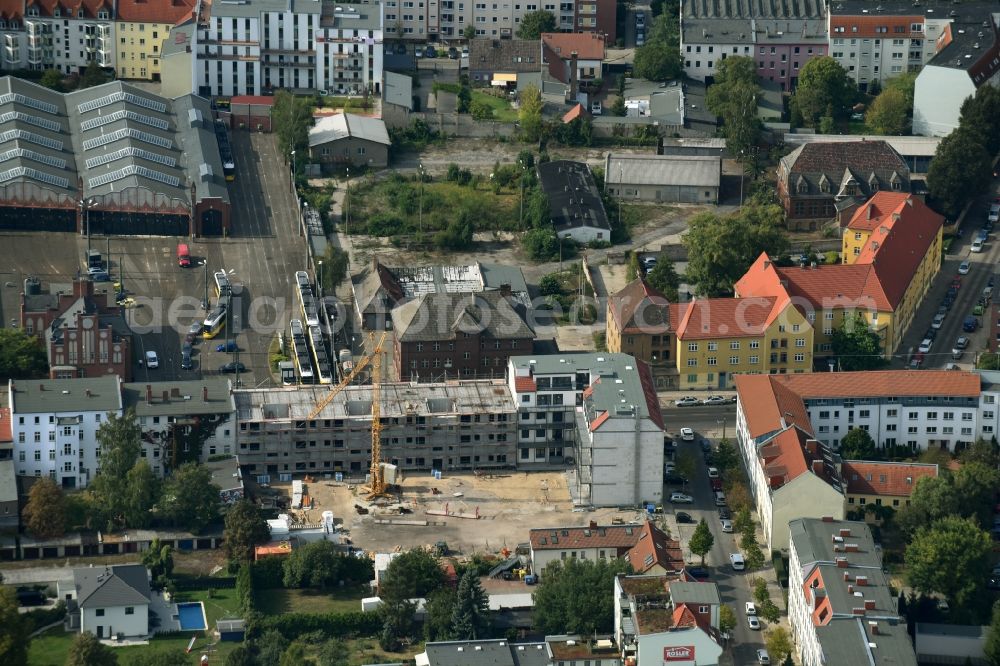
x: 152, y: 360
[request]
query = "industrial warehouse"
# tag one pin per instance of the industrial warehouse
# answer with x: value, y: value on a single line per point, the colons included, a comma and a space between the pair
x: 111, y: 159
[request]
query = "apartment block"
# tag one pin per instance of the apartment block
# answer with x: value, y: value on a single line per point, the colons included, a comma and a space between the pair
x: 601, y: 407
x: 66, y: 36
x: 841, y: 606
x: 447, y: 426
x: 141, y: 30
x: 54, y: 425
x: 881, y: 484
x: 245, y: 48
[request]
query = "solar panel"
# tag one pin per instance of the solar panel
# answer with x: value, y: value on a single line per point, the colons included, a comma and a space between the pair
x: 109, y: 118
x: 134, y: 170
x: 24, y: 100
x: 32, y: 155
x: 118, y: 135
x: 13, y: 134
x: 21, y: 172
x: 44, y: 123
x: 130, y: 152
x: 115, y: 97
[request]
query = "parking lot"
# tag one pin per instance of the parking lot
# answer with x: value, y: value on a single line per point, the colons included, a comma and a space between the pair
x: 262, y: 254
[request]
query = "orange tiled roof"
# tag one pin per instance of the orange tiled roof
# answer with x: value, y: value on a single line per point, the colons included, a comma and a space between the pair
x: 525, y: 384
x: 724, y: 317
x: 588, y: 45
x: 785, y: 458
x: 654, y: 548
x: 5, y: 425
x: 70, y: 8
x: 11, y: 9
x: 867, y: 26
x: 638, y: 308
x: 574, y: 113
x: 870, y: 215
x: 154, y: 11
x: 895, y: 479
x: 882, y: 383
x: 769, y: 406
x: 621, y: 537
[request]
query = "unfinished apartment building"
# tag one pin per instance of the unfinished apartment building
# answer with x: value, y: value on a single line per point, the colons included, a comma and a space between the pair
x: 456, y: 425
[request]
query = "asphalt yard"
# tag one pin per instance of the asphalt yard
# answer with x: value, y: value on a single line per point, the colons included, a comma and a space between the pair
x: 261, y: 255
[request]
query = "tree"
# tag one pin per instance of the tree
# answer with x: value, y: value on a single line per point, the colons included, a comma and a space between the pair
x: 143, y: 489
x: 86, y: 650
x: 721, y: 249
x: 981, y: 114
x: 471, y: 617
x: 245, y: 528
x: 52, y: 79
x: 469, y: 33
x: 779, y: 643
x: 975, y: 486
x: 21, y: 356
x: 737, y: 494
x: 992, y: 647
x: 438, y: 613
x: 856, y: 346
x: 119, y: 439
x: 481, y: 110
x: 333, y: 653
x: 760, y: 593
x: 753, y: 556
x: 618, y: 107
x: 543, y: 245
x: 533, y: 24
x: 190, y: 499
x: 241, y: 656
x: 727, y: 619
x: 293, y: 117
x: 932, y: 498
x: 726, y: 458
x: 530, y: 112
x: 93, y: 76
x: 769, y: 611
x: 171, y: 658
x: 823, y: 87
x: 321, y: 564
x: 960, y: 170
x: 397, y: 621
x: 888, y: 114
x: 686, y: 464
x: 413, y: 574
x: 743, y: 523
x: 657, y: 60
x: 159, y: 559
x: 981, y: 451
x: 576, y: 596
x: 904, y: 83
x: 951, y: 556
x: 701, y: 541
x: 664, y: 279
x: 988, y: 361
x: 733, y: 97
x: 295, y: 655
x: 270, y: 647
x: 857, y: 444
x: 464, y: 96
x: 13, y: 631
x: 44, y: 514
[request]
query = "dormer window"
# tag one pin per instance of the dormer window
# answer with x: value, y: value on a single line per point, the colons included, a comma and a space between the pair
x: 33, y: 11
x: 3, y: 25
x: 103, y: 15
x: 57, y: 12
x: 79, y: 13
x: 824, y: 185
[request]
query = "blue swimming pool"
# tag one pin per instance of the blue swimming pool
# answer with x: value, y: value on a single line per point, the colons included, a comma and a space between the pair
x: 191, y: 616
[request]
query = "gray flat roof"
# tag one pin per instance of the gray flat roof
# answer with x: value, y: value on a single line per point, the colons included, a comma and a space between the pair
x: 908, y: 146
x: 8, y: 484
x: 694, y: 593
x: 182, y: 398
x: 43, y: 396
x: 681, y: 170
x: 964, y: 630
x: 354, y: 16
x: 469, y: 653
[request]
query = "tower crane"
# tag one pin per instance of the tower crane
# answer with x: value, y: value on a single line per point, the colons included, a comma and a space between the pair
x: 335, y: 391
x: 377, y: 485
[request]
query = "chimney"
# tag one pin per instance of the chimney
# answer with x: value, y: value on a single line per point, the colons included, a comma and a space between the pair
x: 842, y: 563
x: 812, y: 446
x: 41, y: 387
x: 505, y: 290
x: 845, y: 531
x: 83, y: 287
x: 857, y: 611
x: 593, y: 524
x: 862, y: 581
x: 847, y: 576
x: 827, y: 519
x: 767, y: 263
x: 149, y: 394
x: 87, y: 392
x: 817, y: 468
x: 873, y: 627
x: 850, y: 588
x: 204, y: 394
x: 869, y: 604
x: 852, y: 548
x: 573, y: 75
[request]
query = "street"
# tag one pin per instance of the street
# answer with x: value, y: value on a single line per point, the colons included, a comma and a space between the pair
x: 734, y: 587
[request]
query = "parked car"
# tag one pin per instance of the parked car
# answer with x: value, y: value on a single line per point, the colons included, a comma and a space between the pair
x: 595, y: 108
x: 453, y: 53
x: 994, y: 214
x: 725, y: 513
x: 970, y: 324
x: 194, y: 332
x: 751, y: 608
x: 962, y: 342
x: 430, y: 52
x: 640, y: 39
x: 763, y: 658
x: 736, y: 559
x: 977, y: 246
x: 925, y: 345
x: 713, y: 472
x: 916, y: 362
x: 753, y: 622
x: 669, y: 467
x: 186, y: 362
x: 674, y: 480
x: 727, y: 526
x: 715, y: 400
x: 964, y: 267
x: 938, y: 321
x: 687, y: 401
x: 701, y: 573
x: 687, y: 434
x: 680, y: 498
x: 152, y: 360
x: 649, y: 263
x: 683, y: 517
x: 233, y: 367
x: 228, y: 346
x: 978, y: 309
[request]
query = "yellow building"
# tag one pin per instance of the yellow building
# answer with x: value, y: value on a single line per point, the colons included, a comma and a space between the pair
x: 141, y: 30
x: 718, y: 338
x: 881, y: 484
x: 891, y: 254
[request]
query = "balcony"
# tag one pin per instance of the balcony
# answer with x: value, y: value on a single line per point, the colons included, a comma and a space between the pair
x: 38, y: 56
x: 105, y: 58
x: 293, y: 52
x: 11, y: 57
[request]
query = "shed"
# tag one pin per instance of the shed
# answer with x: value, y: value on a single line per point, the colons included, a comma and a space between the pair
x: 667, y: 178
x: 346, y: 139
x: 231, y: 630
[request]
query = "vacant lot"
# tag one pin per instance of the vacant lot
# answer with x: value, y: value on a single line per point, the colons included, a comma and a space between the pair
x: 280, y: 600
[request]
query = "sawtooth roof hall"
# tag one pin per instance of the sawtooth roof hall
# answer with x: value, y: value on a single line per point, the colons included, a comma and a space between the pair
x: 137, y: 163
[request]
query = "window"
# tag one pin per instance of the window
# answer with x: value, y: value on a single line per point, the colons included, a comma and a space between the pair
x: 754, y: 360
x: 734, y: 360
x: 712, y: 346
x: 800, y: 358
x: 800, y: 342
x: 99, y: 612
x: 754, y: 344
x: 712, y: 360
x: 735, y: 344
x: 693, y: 346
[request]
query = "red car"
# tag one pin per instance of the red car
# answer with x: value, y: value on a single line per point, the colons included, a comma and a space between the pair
x: 956, y: 282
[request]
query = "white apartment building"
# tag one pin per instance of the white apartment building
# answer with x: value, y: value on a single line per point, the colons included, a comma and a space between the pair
x: 840, y: 606
x: 54, y: 425
x: 64, y: 36
x: 602, y: 409
x: 424, y: 20
x: 250, y: 47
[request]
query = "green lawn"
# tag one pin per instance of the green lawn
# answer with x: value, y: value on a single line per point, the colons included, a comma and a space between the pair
x: 278, y: 601
x: 501, y: 107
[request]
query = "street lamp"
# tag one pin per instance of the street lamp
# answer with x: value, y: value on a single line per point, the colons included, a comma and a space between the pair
x: 420, y: 213
x: 85, y: 207
x: 723, y: 422
x: 520, y: 219
x: 320, y: 265
x: 291, y: 175
x: 348, y: 229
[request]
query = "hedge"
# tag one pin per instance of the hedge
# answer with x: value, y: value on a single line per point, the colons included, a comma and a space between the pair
x: 43, y: 617
x: 332, y: 625
x: 188, y: 583
x: 780, y: 568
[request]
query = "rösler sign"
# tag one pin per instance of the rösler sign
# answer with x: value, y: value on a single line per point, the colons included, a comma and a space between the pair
x: 678, y: 653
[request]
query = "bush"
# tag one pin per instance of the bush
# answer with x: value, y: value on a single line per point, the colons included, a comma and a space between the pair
x: 267, y: 573
x: 780, y: 568
x: 187, y: 583
x: 43, y: 617
x: 244, y: 589
x: 331, y: 625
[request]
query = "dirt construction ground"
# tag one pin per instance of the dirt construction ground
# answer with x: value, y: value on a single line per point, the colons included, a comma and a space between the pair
x: 509, y: 505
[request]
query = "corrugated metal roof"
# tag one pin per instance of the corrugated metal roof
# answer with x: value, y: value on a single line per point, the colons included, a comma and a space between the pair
x: 678, y: 170
x: 344, y: 125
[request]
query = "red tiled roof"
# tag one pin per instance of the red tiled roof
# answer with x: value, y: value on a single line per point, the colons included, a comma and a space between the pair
x: 262, y: 100
x: 684, y: 616
x: 837, y: 286
x: 525, y: 384
x: 894, y: 479
x: 724, y: 317
x: 767, y: 404
x: 784, y: 457
x: 574, y: 113
x: 154, y: 11
x: 588, y: 45
x: 638, y: 308
x: 869, y: 216
x: 11, y: 9
x: 654, y: 548
x: 621, y: 537
x: 649, y: 393
x: 71, y: 7
x: 5, y: 425
x: 882, y: 383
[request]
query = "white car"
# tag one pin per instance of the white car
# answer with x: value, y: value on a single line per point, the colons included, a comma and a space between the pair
x: 687, y: 401
x: 152, y: 360
x: 713, y: 472
x: 727, y: 526
x: 680, y: 498
x: 687, y: 434
x: 977, y: 245
x: 925, y: 345
x: 753, y: 622
x: 938, y: 321
x: 595, y: 108
x: 715, y: 400
x: 994, y: 214
x: 736, y: 559
x: 763, y: 658
x: 964, y: 267
x: 751, y: 608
